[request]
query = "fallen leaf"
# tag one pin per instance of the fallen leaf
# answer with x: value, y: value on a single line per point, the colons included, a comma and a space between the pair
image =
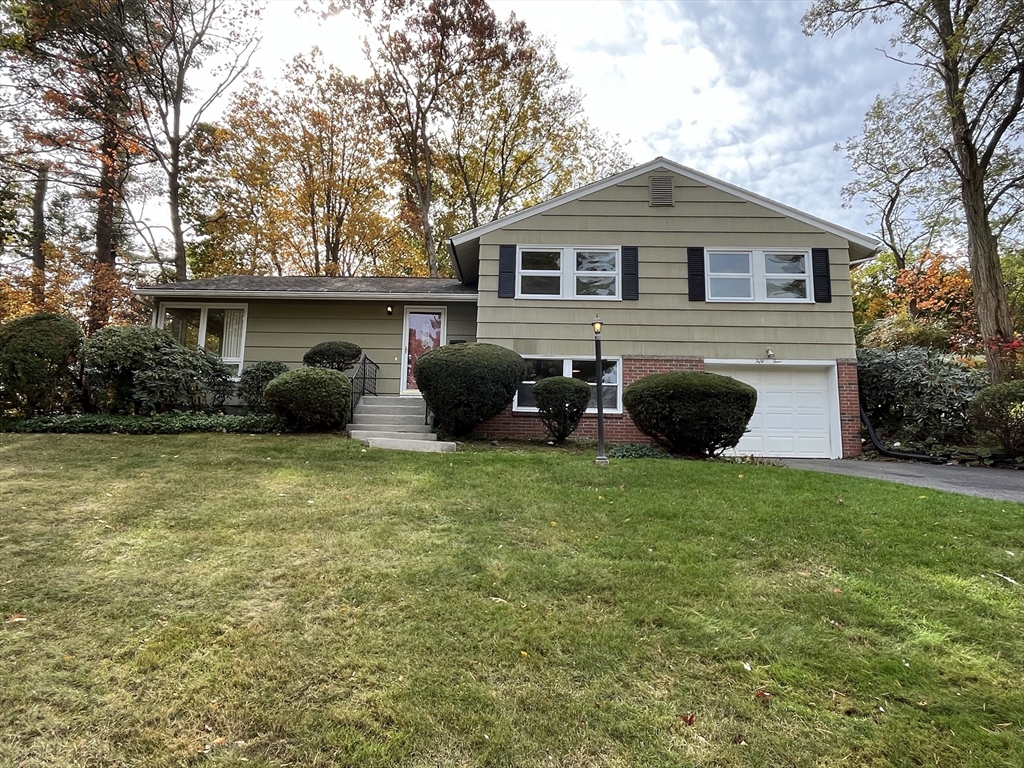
x: 746, y: 666
x: 837, y: 591
x: 16, y: 618
x: 689, y: 719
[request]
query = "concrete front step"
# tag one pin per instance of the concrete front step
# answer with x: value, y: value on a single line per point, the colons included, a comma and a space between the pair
x: 397, y: 407
x: 387, y: 426
x: 410, y: 445
x: 389, y: 418
x: 366, y: 434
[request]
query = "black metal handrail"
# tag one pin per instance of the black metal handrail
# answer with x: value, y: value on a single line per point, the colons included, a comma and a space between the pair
x: 364, y: 382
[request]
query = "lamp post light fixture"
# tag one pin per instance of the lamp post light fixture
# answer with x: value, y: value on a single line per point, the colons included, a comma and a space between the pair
x: 598, y: 377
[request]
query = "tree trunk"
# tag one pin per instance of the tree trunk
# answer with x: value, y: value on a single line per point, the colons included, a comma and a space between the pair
x: 174, y: 199
x: 38, y: 284
x: 104, y: 278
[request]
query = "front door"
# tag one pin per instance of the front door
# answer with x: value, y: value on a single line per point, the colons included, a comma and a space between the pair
x: 424, y: 331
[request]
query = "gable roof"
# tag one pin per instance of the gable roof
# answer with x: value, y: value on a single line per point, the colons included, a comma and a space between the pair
x: 240, y: 287
x: 464, y: 248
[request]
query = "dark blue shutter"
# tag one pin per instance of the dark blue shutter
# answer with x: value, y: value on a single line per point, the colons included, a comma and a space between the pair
x: 630, y: 273
x: 822, y: 276
x: 695, y: 274
x: 506, y: 271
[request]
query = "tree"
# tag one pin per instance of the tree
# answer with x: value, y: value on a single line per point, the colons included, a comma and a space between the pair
x: 420, y: 55
x: 970, y: 59
x: 176, y: 38
x: 294, y: 179
x: 516, y: 134
x: 70, y: 57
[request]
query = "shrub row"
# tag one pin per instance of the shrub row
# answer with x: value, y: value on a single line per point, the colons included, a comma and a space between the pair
x: 160, y: 424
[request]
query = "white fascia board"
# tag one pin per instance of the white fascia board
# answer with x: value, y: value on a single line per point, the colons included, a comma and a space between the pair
x: 770, y: 362
x: 315, y: 295
x: 669, y: 165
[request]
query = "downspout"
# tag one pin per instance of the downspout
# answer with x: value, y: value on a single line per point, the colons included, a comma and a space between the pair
x: 896, y: 454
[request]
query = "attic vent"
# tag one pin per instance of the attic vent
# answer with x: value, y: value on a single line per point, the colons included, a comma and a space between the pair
x: 661, y: 190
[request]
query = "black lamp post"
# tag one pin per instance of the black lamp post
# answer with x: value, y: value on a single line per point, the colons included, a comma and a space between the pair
x: 599, y: 376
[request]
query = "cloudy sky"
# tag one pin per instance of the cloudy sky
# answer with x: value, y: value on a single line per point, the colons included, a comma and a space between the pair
x: 729, y: 87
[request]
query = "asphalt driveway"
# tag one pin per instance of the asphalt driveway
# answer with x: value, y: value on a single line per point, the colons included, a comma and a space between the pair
x: 1001, y: 484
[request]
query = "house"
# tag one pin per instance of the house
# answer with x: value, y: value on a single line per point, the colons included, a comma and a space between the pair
x: 687, y: 272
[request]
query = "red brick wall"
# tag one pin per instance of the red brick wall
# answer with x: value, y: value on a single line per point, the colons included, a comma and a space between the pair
x: 618, y: 428
x: 849, y: 408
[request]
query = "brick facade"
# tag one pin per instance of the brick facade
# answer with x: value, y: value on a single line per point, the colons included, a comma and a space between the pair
x: 618, y: 428
x: 849, y: 408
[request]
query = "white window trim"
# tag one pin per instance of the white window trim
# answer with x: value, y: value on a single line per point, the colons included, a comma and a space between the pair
x: 758, y: 275
x: 568, y: 272
x: 567, y: 372
x: 205, y: 307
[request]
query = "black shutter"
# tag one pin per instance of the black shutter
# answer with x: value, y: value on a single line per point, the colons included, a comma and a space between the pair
x: 630, y: 273
x: 506, y: 271
x: 822, y: 276
x: 695, y: 273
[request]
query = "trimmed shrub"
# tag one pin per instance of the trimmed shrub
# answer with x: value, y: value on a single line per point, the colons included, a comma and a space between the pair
x: 254, y: 380
x: 998, y: 412
x: 160, y: 424
x: 562, y: 402
x: 310, y: 399
x: 465, y: 384
x: 691, y: 413
x: 38, y: 356
x: 336, y: 355
x: 637, y: 451
x: 143, y: 370
x: 917, y: 395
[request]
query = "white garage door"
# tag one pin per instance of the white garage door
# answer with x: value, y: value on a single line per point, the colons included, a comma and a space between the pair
x: 794, y: 414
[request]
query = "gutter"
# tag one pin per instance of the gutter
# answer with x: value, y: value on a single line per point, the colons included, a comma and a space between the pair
x: 209, y: 295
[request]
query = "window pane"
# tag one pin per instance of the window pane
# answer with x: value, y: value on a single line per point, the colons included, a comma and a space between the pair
x: 786, y: 289
x: 595, y: 286
x: 729, y: 263
x: 183, y: 324
x: 585, y: 371
x: 595, y: 261
x: 214, y: 330
x: 547, y: 260
x: 731, y: 288
x: 542, y: 369
x: 537, y: 285
x: 231, y: 345
x: 785, y: 263
x: 535, y: 371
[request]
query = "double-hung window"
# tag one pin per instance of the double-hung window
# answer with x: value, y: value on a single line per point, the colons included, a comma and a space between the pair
x: 759, y: 275
x: 544, y: 272
x: 219, y: 329
x: 586, y: 370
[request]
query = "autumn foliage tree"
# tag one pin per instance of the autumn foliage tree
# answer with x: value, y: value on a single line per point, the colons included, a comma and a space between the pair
x: 969, y: 83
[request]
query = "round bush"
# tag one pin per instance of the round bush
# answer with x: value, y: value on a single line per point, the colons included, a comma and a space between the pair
x: 691, y: 413
x: 336, y: 355
x: 562, y: 402
x: 143, y: 370
x: 254, y: 380
x: 998, y: 411
x: 310, y: 399
x: 465, y: 384
x: 37, y: 363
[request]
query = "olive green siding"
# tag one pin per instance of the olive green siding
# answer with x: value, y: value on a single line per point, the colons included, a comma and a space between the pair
x: 285, y: 330
x: 664, y: 322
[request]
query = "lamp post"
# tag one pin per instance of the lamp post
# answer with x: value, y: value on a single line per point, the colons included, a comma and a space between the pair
x: 598, y: 377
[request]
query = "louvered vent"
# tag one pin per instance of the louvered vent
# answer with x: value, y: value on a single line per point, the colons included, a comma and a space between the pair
x: 661, y: 190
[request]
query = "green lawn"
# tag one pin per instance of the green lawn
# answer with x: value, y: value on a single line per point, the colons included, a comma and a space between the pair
x: 299, y: 601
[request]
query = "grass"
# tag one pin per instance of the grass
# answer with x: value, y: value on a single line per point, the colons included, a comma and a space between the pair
x: 297, y: 601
